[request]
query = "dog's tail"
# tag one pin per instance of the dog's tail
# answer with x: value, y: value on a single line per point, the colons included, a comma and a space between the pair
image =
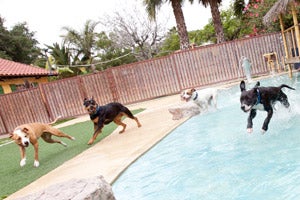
x: 283, y: 85
x: 128, y: 112
x: 55, y: 120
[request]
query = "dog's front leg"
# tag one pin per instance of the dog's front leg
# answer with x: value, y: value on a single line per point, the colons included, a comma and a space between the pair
x: 36, y: 155
x: 23, y: 156
x: 97, y: 129
x: 267, y: 120
x: 250, y: 120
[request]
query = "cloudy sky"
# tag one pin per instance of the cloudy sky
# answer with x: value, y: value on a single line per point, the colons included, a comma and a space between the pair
x: 46, y: 18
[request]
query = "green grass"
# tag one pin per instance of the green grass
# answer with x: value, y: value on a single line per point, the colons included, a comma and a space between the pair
x: 13, y: 177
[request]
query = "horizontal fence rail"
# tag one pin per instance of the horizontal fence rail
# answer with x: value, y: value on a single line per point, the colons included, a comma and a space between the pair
x: 199, y: 67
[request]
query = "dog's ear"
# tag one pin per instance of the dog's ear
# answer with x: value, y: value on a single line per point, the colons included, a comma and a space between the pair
x: 25, y: 130
x: 242, y: 86
x: 193, y: 89
x: 84, y: 100
x: 10, y: 135
x: 257, y: 84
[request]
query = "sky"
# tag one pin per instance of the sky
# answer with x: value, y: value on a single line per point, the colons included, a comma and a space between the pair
x: 46, y: 18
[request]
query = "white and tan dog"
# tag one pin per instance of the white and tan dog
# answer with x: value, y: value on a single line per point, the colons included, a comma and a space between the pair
x: 203, y: 98
x: 30, y: 133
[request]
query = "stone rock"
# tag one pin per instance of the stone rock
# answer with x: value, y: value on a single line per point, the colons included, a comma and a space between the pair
x: 75, y: 189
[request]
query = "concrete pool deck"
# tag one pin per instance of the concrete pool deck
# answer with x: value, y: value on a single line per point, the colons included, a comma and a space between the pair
x: 113, y: 154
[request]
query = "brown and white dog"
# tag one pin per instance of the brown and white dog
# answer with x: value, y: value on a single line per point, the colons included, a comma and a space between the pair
x: 203, y: 98
x: 102, y: 115
x: 30, y: 133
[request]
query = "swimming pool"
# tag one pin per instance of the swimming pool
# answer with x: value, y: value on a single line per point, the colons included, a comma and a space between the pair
x: 211, y: 156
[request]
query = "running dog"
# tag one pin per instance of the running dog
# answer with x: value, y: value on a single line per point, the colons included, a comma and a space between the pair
x: 203, y: 98
x: 261, y: 98
x: 102, y: 115
x: 30, y: 133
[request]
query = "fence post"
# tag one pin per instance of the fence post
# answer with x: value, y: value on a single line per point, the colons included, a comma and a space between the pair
x: 173, y: 60
x: 112, y: 84
x: 4, y: 124
x: 81, y: 87
x: 41, y: 89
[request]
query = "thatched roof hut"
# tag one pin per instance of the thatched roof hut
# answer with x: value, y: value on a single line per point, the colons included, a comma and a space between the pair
x: 290, y: 36
x: 280, y: 7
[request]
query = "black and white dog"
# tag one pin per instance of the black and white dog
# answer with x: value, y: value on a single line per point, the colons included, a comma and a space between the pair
x: 261, y: 98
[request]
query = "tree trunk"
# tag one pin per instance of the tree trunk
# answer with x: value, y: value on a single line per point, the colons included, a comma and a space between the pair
x: 182, y: 31
x: 214, y: 8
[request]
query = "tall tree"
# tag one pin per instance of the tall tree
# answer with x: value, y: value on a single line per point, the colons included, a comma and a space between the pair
x: 153, y: 5
x: 112, y: 54
x: 216, y: 17
x: 60, y: 53
x: 132, y: 31
x: 82, y: 44
x: 18, y: 44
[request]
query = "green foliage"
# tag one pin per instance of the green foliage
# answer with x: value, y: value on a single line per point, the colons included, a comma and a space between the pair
x: 171, y: 43
x: 110, y: 55
x: 251, y: 16
x: 18, y: 44
x: 82, y: 43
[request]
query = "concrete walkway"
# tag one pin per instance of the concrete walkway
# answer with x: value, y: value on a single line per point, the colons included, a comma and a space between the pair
x: 116, y: 152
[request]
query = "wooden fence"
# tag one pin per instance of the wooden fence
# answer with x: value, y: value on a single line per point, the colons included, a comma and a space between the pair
x: 139, y: 81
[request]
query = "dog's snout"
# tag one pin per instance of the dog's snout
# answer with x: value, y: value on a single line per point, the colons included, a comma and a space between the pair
x: 243, y: 107
x: 26, y: 143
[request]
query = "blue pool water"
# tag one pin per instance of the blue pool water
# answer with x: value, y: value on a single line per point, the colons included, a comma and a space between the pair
x: 211, y: 156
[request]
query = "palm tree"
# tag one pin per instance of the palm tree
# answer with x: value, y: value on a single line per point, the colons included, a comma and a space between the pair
x: 152, y: 5
x: 216, y: 17
x: 61, y: 54
x: 82, y: 43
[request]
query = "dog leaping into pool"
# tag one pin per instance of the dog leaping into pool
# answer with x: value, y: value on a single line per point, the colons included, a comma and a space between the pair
x: 262, y: 98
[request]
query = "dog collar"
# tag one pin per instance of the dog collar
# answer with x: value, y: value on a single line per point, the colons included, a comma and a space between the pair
x: 258, y: 97
x: 195, y: 96
x: 96, y: 113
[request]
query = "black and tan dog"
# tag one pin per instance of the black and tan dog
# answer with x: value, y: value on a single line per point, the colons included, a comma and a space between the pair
x: 30, y: 133
x: 102, y: 115
x: 262, y: 98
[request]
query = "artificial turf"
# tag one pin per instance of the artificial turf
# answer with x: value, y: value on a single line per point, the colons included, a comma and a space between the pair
x: 14, y: 177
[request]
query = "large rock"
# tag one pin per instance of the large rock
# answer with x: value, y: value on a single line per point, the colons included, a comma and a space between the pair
x: 75, y: 189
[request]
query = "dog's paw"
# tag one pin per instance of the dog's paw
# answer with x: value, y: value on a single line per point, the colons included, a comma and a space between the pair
x: 263, y: 131
x: 249, y: 130
x: 64, y: 144
x: 36, y: 163
x: 23, y: 162
x: 72, y: 138
x: 90, y: 142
